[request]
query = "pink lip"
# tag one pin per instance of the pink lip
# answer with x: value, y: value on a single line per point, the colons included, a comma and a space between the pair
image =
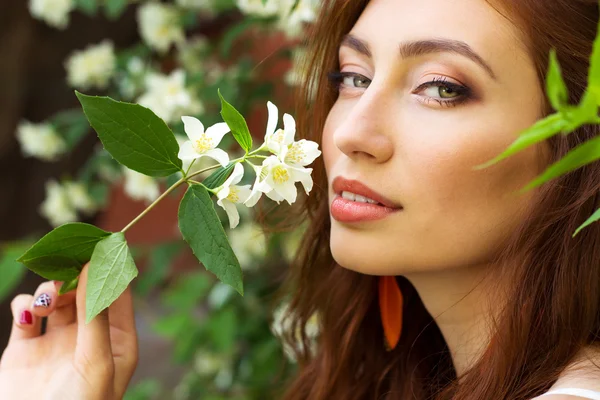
x: 341, y: 184
x: 344, y: 210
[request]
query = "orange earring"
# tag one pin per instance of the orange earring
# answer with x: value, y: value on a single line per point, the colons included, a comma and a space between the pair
x: 390, y: 306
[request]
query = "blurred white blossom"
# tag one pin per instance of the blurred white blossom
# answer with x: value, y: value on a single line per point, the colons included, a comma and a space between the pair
x: 54, y: 12
x: 40, y: 141
x: 229, y: 194
x: 296, y: 75
x: 79, y: 197
x: 92, y: 67
x: 192, y: 53
x: 208, y: 363
x: 140, y: 187
x: 282, y: 324
x: 259, y: 8
x: 57, y: 208
x: 168, y: 97
x: 219, y: 294
x: 292, y: 18
x: 249, y: 244
x: 160, y: 25
x: 203, y: 143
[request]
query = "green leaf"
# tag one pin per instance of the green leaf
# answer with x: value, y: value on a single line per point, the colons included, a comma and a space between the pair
x: 236, y: 123
x: 218, y: 177
x: 111, y: 270
x: 133, y: 135
x: 202, y: 230
x: 113, y: 9
x: 594, y: 70
x: 11, y: 271
x: 555, y: 85
x: 88, y: 7
x: 594, y: 218
x: 586, y: 112
x: 68, y: 286
x: 583, y: 154
x: 61, y: 254
x: 540, y: 131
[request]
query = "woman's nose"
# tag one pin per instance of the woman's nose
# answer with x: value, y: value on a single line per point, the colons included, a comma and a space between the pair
x: 366, y: 131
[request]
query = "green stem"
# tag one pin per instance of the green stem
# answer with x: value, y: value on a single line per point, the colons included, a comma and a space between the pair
x: 179, y: 182
x: 154, y: 203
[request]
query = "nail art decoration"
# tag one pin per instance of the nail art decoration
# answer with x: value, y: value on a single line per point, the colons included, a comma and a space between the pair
x: 43, y: 300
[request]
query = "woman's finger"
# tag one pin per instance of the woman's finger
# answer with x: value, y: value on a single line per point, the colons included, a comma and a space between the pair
x: 44, y: 299
x: 25, y: 324
x: 65, y: 312
x: 93, y: 339
x: 124, y: 340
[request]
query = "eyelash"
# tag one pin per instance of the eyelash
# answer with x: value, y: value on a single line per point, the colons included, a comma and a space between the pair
x: 336, y: 78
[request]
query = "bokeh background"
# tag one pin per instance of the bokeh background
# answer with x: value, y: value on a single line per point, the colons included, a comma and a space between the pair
x: 198, y: 339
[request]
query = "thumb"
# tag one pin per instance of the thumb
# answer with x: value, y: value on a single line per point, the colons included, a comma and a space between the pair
x: 93, y: 339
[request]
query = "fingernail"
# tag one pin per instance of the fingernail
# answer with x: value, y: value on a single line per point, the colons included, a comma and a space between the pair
x: 43, y: 300
x: 57, y: 284
x: 26, y: 318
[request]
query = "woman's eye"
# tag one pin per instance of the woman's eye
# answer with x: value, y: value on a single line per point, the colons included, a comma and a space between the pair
x: 355, y: 80
x: 443, y: 92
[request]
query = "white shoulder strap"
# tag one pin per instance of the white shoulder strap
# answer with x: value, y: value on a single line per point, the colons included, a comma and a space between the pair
x: 585, y: 393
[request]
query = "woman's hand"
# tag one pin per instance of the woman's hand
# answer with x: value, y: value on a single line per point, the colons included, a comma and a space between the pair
x: 71, y: 360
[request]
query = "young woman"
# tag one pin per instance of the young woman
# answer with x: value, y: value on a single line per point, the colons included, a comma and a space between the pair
x: 498, y: 301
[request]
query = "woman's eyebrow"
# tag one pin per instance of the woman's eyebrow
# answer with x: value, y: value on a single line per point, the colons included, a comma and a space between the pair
x: 421, y: 47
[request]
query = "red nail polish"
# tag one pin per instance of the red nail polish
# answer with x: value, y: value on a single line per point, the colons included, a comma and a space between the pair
x: 26, y: 318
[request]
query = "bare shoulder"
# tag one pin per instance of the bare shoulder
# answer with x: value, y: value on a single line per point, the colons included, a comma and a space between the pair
x: 583, y: 372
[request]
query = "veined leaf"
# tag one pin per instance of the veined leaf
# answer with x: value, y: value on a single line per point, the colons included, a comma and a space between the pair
x: 555, y: 85
x: 133, y: 135
x: 202, y: 230
x: 61, y: 254
x: 594, y: 218
x: 237, y: 124
x: 540, y: 131
x: 583, y: 154
x: 111, y: 270
x: 68, y: 286
x: 218, y: 177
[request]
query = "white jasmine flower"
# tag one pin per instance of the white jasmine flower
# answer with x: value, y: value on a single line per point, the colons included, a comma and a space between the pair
x: 282, y: 324
x: 229, y: 194
x: 201, y: 143
x: 278, y: 139
x: 159, y: 26
x: 249, y: 244
x: 40, y: 141
x: 281, y: 141
x: 293, y: 18
x: 167, y: 96
x: 259, y: 8
x: 261, y: 174
x: 197, y: 164
x: 54, y: 12
x: 135, y: 66
x: 92, y: 67
x: 280, y: 178
x: 79, y: 197
x: 140, y: 187
x: 57, y: 207
x: 193, y: 52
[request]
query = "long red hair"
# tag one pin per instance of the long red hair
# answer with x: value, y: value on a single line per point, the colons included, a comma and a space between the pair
x: 555, y: 292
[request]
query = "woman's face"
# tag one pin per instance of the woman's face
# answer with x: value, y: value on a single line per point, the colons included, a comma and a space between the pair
x: 433, y: 88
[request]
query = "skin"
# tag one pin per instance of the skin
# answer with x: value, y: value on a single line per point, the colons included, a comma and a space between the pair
x: 393, y: 136
x: 403, y: 145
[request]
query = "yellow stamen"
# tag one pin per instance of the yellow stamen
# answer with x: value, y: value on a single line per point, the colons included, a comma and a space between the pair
x: 295, y: 154
x: 234, y: 195
x: 279, y: 136
x: 280, y: 175
x: 203, y: 144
